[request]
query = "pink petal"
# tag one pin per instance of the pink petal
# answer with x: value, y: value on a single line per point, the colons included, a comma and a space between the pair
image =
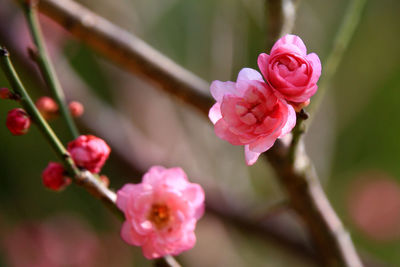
x: 123, y: 195
x: 215, y: 113
x: 222, y: 131
x: 290, y: 42
x: 262, y: 62
x: 194, y: 194
x: 262, y: 144
x: 219, y: 89
x: 316, y: 66
x: 249, y: 74
x: 150, y: 251
x: 130, y: 236
x: 250, y: 156
x: 290, y: 123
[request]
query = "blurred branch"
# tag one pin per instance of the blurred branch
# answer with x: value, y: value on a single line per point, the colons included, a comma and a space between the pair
x: 281, y: 15
x: 298, y: 176
x: 45, y: 66
x: 342, y: 39
x: 129, y: 52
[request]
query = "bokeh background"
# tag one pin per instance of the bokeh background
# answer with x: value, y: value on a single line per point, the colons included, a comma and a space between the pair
x: 353, y: 141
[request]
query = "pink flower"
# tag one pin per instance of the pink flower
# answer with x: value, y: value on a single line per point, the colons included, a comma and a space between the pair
x: 289, y: 70
x: 76, y: 108
x: 89, y: 152
x: 161, y: 212
x: 18, y: 122
x: 54, y: 177
x: 47, y: 107
x: 249, y: 113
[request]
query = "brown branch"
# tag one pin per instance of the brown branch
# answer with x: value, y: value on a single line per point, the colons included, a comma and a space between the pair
x: 300, y: 181
x: 129, y: 52
x: 308, y: 199
x: 281, y: 15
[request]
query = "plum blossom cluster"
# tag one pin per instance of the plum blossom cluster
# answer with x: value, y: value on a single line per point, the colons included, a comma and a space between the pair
x: 253, y: 111
x: 88, y: 152
x: 161, y: 212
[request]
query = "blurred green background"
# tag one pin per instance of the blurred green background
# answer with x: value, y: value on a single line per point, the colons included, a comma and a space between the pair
x: 353, y: 141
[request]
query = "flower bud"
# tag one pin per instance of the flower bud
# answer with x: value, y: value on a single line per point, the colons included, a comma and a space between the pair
x: 76, y: 109
x: 89, y: 152
x: 18, y: 121
x: 54, y: 178
x: 5, y: 93
x: 47, y: 107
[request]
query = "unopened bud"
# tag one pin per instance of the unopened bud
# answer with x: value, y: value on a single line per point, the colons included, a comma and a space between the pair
x: 18, y: 121
x: 47, y: 107
x: 5, y: 93
x: 104, y: 179
x: 76, y: 108
x: 54, y: 178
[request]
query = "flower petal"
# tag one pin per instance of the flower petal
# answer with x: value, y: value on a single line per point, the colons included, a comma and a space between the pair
x: 249, y: 74
x: 290, y: 42
x: 250, y: 156
x: 215, y: 113
x: 316, y: 66
x: 219, y: 89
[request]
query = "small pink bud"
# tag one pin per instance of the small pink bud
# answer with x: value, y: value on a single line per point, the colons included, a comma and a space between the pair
x: 18, y: 121
x: 5, y: 93
x: 47, y: 107
x: 89, y: 152
x: 161, y: 212
x: 76, y: 109
x: 104, y: 179
x: 54, y: 177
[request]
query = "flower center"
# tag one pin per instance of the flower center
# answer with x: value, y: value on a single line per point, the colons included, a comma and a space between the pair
x: 159, y: 215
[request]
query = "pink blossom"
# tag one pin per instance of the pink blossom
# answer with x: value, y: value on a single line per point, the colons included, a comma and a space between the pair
x: 89, y: 152
x: 161, y: 212
x: 249, y: 113
x: 18, y: 121
x: 54, y: 178
x: 289, y: 70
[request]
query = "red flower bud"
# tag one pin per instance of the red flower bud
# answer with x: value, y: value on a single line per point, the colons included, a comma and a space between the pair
x: 89, y: 152
x: 47, y: 107
x: 76, y: 109
x: 54, y: 178
x: 18, y: 121
x: 5, y: 93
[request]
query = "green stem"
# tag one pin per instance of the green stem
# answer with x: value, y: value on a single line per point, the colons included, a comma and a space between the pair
x: 30, y: 107
x: 341, y: 42
x: 82, y: 178
x: 46, y: 67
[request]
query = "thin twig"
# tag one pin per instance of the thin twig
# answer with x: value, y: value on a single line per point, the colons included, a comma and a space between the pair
x: 129, y: 51
x: 45, y: 66
x: 83, y: 178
